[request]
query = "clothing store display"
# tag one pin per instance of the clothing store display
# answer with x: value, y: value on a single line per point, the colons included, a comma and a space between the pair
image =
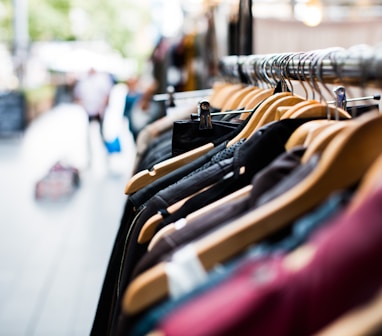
x: 266, y: 145
x: 302, y: 229
x: 280, y: 167
x: 243, y: 227
x: 269, y: 142
x: 133, y: 250
x: 132, y: 207
x: 301, y: 300
x: 270, y: 175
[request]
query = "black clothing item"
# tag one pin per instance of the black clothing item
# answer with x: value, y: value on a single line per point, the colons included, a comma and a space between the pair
x: 107, y: 304
x: 219, y: 144
x: 156, y: 151
x: 187, y: 135
x: 298, y: 175
x: 265, y: 145
x: 275, y: 172
x: 357, y: 110
x: 262, y: 148
x: 134, y: 205
x: 290, y: 173
x: 281, y: 167
x: 142, y: 195
x: 214, y: 169
x: 108, y: 299
x: 132, y: 250
x: 184, y: 188
x: 149, y: 160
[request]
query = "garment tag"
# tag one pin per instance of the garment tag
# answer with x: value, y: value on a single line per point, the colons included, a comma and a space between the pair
x: 180, y: 223
x: 184, y: 272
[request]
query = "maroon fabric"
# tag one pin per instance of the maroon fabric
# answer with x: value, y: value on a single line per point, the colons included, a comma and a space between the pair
x: 263, y: 298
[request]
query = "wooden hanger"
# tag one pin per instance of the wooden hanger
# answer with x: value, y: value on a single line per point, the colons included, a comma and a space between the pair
x: 320, y: 110
x: 266, y: 98
x: 281, y: 110
x: 314, y: 132
x: 369, y: 183
x: 343, y: 162
x: 145, y: 177
x: 309, y: 130
x: 149, y: 227
x: 325, y: 130
x: 270, y: 114
x: 302, y: 109
x: 323, y: 139
x: 225, y: 92
x: 248, y: 97
x: 239, y: 194
x: 285, y: 114
x: 168, y: 229
x: 255, y: 100
x: 263, y: 113
x: 233, y: 102
x: 216, y: 88
x: 300, y: 135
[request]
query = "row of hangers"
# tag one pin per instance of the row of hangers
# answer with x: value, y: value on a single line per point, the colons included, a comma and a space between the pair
x: 338, y: 142
x: 247, y: 88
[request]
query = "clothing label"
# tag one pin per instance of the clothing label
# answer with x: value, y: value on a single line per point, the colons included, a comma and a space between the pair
x: 184, y: 272
x: 180, y: 223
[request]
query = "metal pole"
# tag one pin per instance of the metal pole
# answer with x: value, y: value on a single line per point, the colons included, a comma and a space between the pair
x: 346, y: 66
x: 21, y: 38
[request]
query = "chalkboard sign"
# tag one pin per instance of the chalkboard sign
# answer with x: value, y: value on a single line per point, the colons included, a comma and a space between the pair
x: 12, y: 112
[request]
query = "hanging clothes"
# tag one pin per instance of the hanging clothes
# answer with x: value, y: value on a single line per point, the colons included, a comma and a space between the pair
x: 161, y: 237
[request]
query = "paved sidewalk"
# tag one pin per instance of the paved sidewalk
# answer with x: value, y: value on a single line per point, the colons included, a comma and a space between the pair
x: 53, y: 255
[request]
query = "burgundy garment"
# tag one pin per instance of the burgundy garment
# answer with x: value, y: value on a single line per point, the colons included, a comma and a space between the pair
x: 264, y: 298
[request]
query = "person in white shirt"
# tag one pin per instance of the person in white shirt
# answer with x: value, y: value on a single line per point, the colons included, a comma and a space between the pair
x: 92, y: 92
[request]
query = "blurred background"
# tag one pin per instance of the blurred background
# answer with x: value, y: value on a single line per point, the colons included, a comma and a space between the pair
x: 59, y: 211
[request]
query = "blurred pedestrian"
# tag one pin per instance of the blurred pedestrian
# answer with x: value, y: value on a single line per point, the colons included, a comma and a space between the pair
x: 92, y: 93
x: 132, y: 96
x: 139, y: 108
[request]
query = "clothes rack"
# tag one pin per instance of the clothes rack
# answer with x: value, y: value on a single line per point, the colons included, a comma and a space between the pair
x: 246, y: 188
x: 356, y: 65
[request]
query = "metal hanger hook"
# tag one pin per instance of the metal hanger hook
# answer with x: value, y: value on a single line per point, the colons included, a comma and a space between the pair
x: 306, y: 71
x: 283, y: 70
x: 290, y: 65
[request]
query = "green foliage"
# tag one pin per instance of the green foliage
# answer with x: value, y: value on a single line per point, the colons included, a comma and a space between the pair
x: 49, y: 20
x: 118, y: 22
x: 6, y: 21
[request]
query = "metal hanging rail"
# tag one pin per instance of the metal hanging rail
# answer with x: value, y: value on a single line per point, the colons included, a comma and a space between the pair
x: 358, y: 65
